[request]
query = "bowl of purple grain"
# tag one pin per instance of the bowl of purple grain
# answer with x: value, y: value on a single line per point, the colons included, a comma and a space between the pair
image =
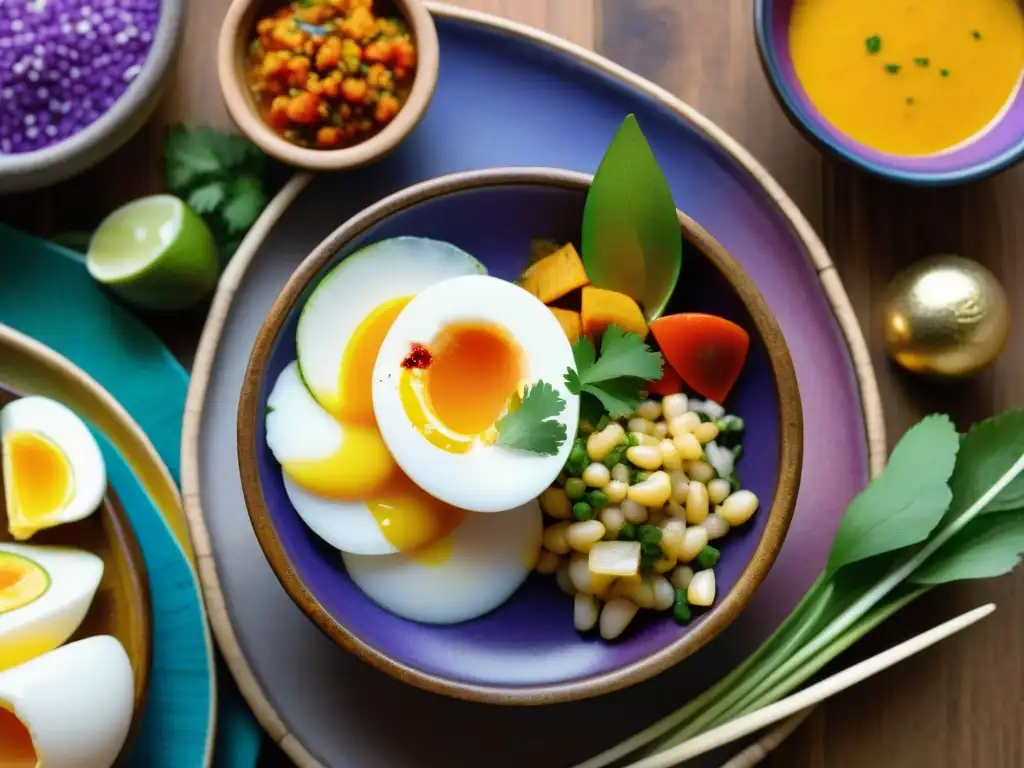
x: 78, y: 78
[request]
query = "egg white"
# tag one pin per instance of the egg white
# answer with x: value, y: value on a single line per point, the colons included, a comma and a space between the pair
x: 298, y: 428
x: 50, y: 619
x: 491, y: 556
x: 488, y: 478
x: 75, y: 701
x: 390, y: 269
x: 68, y: 432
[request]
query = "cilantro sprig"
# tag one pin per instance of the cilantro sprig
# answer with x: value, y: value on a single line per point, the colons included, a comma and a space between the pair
x: 221, y: 176
x: 615, y: 379
x: 533, y: 426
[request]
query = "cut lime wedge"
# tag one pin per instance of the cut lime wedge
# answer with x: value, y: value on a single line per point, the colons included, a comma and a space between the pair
x: 155, y: 253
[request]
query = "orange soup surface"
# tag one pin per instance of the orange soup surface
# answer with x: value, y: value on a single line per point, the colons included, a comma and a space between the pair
x: 908, y: 77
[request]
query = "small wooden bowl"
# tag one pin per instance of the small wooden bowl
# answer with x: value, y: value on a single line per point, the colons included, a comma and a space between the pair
x: 505, y: 657
x: 232, y: 49
x: 121, y: 606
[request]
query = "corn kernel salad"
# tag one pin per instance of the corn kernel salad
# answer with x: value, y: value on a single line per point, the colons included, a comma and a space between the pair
x: 631, y: 520
x: 330, y: 73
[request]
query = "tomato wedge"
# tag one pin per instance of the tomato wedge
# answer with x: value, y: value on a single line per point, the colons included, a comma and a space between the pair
x: 708, y: 352
x: 668, y: 384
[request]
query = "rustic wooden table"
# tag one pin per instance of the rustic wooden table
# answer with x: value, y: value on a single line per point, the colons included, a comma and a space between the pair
x: 960, y: 705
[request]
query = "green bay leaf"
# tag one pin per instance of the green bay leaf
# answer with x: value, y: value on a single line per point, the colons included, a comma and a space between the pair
x: 631, y: 237
x: 906, y: 501
x: 987, y: 452
x: 988, y: 546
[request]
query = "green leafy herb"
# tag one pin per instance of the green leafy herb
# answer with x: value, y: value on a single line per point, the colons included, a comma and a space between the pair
x: 921, y: 61
x: 631, y: 240
x: 873, y: 44
x: 892, y: 69
x: 952, y: 507
x: 616, y: 378
x: 220, y: 175
x: 944, y: 72
x: 533, y: 426
x: 906, y: 501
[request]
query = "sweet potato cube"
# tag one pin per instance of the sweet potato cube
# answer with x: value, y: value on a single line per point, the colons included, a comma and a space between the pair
x: 555, y: 275
x: 570, y: 322
x: 601, y: 308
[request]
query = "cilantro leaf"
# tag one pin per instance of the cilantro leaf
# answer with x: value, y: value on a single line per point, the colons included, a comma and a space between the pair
x: 617, y: 377
x: 623, y: 354
x: 206, y: 198
x: 188, y: 156
x: 532, y: 426
x: 619, y: 397
x: 245, y: 203
x: 906, y: 501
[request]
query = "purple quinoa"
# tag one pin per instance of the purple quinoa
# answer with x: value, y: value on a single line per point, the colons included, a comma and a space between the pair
x: 63, y: 64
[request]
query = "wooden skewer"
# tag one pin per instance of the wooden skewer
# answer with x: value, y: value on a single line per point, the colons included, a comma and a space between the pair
x: 830, y: 686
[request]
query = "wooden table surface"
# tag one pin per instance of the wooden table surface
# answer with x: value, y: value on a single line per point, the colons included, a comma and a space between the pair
x: 960, y: 705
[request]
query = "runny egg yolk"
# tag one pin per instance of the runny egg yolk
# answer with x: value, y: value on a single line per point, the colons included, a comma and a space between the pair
x: 464, y: 387
x: 40, y: 476
x: 360, y: 466
x: 414, y: 521
x: 355, y: 378
x: 18, y: 749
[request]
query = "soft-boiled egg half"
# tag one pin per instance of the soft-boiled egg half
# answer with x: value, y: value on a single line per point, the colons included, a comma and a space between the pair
x: 467, y: 574
x: 53, y: 469
x: 458, y: 358
x: 69, y: 708
x: 320, y: 423
x: 45, y: 593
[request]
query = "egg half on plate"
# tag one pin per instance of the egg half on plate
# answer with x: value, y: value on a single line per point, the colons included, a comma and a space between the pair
x: 462, y: 356
x: 69, y: 708
x: 45, y: 593
x: 320, y: 424
x: 52, y: 466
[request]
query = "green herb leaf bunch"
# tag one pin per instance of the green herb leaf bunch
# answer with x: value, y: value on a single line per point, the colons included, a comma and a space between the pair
x: 947, y: 507
x: 221, y: 176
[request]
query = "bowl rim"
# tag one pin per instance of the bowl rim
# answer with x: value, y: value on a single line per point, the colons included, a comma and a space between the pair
x: 716, y: 620
x: 231, y: 44
x: 769, y: 60
x: 131, y: 108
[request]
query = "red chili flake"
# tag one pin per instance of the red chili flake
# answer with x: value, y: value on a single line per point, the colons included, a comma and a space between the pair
x: 418, y: 357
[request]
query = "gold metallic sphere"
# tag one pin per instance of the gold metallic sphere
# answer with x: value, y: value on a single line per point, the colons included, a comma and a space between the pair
x: 946, y: 316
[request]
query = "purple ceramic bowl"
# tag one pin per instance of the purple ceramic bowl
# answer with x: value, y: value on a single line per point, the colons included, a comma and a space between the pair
x: 997, y: 148
x: 526, y: 651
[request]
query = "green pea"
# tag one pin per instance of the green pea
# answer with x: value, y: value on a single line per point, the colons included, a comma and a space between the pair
x: 597, y: 499
x: 648, y: 534
x: 632, y: 439
x: 582, y: 511
x: 578, y: 454
x: 639, y: 476
x: 736, y: 424
x: 615, y: 457
x: 651, y: 550
x: 708, y: 557
x: 575, y: 489
x: 627, y: 532
x: 681, y: 610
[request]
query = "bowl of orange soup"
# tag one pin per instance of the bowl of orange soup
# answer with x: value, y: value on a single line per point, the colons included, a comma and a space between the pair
x: 920, y: 91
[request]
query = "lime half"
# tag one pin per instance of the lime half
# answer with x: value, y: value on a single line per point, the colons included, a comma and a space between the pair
x: 155, y: 253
